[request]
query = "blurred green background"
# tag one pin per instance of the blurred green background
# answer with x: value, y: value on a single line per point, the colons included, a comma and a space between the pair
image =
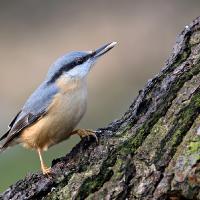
x: 35, y: 32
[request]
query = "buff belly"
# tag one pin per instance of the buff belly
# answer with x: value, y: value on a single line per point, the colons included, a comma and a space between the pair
x: 64, y: 113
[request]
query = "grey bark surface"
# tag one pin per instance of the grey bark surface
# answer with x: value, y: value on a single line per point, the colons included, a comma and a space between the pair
x: 152, y: 152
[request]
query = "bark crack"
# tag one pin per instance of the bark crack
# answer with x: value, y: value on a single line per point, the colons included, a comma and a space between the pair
x: 152, y: 152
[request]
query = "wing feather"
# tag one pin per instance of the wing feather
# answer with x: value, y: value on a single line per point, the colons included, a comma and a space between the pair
x: 35, y: 107
x: 20, y: 125
x: 10, y: 126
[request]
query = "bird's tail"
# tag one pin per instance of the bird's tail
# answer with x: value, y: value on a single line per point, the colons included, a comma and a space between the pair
x: 2, y: 149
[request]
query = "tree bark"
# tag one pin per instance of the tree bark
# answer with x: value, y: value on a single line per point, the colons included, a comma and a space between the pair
x: 152, y: 152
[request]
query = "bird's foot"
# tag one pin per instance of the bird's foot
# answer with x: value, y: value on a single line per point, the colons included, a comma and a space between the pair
x: 86, y: 133
x: 46, y: 170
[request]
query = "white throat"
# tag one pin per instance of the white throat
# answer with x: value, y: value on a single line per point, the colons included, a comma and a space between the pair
x: 80, y: 71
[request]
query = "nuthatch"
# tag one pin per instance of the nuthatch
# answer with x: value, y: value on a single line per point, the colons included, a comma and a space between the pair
x: 51, y: 113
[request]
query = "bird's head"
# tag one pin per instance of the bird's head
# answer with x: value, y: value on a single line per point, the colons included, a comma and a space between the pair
x: 76, y: 64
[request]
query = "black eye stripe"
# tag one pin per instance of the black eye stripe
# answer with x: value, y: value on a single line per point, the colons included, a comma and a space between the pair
x: 68, y: 67
x: 79, y: 61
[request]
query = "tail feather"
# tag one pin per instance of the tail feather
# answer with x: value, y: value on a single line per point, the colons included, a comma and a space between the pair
x: 4, y: 136
x: 2, y: 149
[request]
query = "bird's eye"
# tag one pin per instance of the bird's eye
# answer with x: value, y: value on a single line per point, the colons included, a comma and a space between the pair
x: 79, y: 61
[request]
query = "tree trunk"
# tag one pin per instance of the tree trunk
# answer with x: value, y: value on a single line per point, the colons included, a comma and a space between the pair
x: 152, y: 152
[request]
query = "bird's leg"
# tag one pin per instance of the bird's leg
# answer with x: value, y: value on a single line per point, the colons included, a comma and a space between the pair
x: 85, y: 133
x: 45, y: 169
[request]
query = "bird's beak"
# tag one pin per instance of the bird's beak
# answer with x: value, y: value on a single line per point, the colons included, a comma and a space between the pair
x: 102, y: 50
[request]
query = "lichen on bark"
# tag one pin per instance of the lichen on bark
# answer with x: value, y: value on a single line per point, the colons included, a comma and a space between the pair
x: 152, y: 152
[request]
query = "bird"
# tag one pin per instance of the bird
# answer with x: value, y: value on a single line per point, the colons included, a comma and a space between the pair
x: 54, y: 109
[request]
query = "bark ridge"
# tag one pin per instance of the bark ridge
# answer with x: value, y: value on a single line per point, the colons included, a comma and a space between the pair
x: 152, y: 152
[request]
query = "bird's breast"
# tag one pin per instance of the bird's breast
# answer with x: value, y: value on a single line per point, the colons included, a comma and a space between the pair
x: 63, y: 114
x: 70, y: 103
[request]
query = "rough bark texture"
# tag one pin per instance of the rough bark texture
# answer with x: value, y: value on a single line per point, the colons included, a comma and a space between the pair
x: 152, y: 152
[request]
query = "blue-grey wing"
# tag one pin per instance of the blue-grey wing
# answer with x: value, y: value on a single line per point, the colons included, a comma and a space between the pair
x: 35, y: 107
x: 10, y: 126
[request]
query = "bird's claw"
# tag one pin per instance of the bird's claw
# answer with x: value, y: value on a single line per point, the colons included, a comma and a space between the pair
x: 46, y: 171
x: 87, y: 133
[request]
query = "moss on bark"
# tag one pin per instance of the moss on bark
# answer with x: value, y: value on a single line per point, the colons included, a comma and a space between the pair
x: 152, y: 152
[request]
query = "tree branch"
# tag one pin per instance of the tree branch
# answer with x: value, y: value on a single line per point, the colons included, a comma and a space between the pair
x: 152, y: 152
